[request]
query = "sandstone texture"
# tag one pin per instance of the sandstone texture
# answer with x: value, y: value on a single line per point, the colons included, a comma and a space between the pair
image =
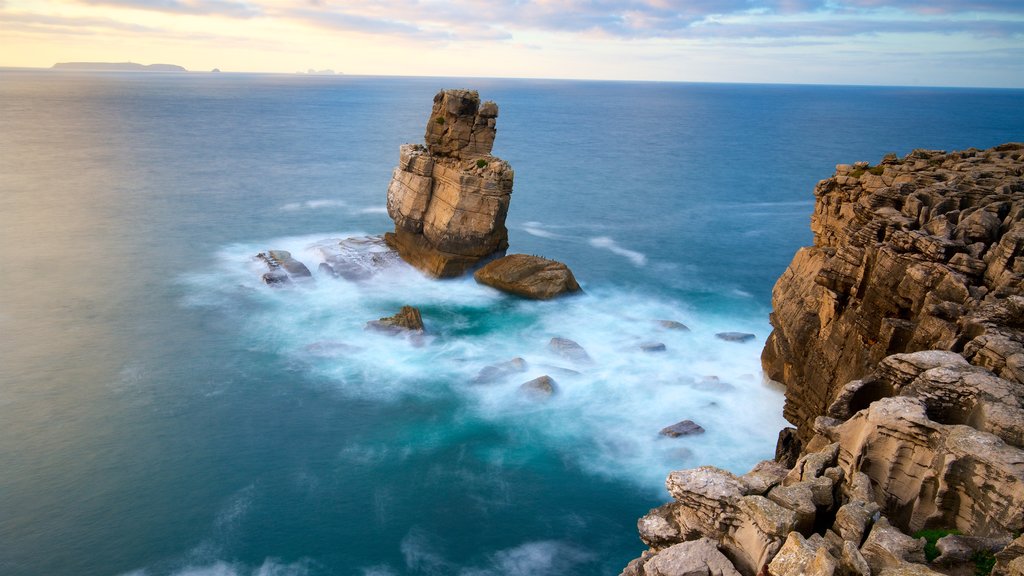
x: 408, y: 319
x: 899, y: 337
x: 528, y: 276
x: 449, y: 199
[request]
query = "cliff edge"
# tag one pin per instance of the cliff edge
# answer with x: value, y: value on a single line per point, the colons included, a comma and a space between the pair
x: 899, y: 336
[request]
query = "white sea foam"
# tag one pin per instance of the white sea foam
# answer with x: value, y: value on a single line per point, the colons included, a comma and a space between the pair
x: 538, y: 229
x: 637, y: 258
x: 606, y: 415
x: 314, y: 205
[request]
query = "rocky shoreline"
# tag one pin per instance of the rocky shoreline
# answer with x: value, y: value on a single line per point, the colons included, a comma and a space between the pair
x: 899, y: 337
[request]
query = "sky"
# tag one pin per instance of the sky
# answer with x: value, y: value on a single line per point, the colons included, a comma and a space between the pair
x: 903, y: 42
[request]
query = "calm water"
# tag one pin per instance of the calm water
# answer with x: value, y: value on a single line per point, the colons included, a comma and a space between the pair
x: 161, y: 412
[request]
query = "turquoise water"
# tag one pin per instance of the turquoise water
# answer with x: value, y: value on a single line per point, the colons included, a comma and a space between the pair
x: 162, y: 412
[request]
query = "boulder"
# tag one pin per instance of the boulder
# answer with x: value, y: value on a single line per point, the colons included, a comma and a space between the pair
x: 682, y: 428
x: 696, y: 558
x: 570, y: 350
x: 528, y: 276
x: 539, y: 388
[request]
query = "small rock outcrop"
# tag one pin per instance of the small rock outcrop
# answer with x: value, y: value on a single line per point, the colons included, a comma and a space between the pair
x: 540, y: 388
x: 900, y: 339
x: 282, y: 268
x: 528, y: 276
x: 408, y: 319
x: 682, y: 428
x: 449, y: 199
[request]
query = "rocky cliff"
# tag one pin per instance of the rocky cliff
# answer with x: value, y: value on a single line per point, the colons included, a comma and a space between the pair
x: 899, y: 336
x: 450, y: 197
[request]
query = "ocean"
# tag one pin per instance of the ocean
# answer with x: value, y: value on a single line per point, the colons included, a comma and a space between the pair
x: 162, y: 412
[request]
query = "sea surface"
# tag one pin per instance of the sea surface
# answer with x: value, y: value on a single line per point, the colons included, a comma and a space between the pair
x: 164, y: 413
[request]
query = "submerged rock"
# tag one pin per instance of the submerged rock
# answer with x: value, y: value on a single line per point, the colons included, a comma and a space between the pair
x: 495, y: 372
x: 408, y: 319
x: 539, y: 388
x: 683, y: 428
x: 528, y: 276
x: 356, y: 258
x: 735, y: 336
x: 569, y: 350
x: 653, y: 347
x: 673, y: 325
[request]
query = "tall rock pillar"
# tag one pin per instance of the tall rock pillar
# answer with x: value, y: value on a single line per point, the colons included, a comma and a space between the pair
x: 449, y: 198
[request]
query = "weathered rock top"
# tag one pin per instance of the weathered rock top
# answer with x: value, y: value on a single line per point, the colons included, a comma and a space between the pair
x: 460, y: 126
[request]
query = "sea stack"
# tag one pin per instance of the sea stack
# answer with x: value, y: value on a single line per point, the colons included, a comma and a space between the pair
x: 449, y: 198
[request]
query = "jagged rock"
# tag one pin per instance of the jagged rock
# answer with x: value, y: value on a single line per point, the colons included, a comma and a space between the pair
x: 798, y: 556
x: 682, y: 428
x: 570, y: 350
x: 1010, y: 558
x: 787, y: 448
x: 695, y: 558
x: 887, y: 547
x: 449, y: 199
x: 958, y: 549
x: 908, y: 569
x: 851, y: 561
x: 735, y: 336
x: 528, y: 276
x: 498, y: 371
x: 764, y: 476
x: 282, y: 268
x: 757, y: 530
x: 659, y: 527
x: 407, y: 319
x: 540, y: 387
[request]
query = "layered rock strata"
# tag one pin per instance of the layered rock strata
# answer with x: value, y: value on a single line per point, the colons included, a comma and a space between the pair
x: 449, y: 198
x: 898, y: 336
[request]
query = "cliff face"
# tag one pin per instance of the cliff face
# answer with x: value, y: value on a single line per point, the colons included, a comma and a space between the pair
x: 449, y: 198
x: 909, y: 255
x: 900, y: 339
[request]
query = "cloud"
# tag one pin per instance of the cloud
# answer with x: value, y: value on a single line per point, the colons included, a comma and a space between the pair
x: 70, y: 25
x: 226, y: 8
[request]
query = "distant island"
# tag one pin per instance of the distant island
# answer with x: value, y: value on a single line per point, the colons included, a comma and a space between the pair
x: 118, y: 66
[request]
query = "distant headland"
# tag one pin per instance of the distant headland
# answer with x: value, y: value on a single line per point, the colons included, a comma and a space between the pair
x: 118, y: 66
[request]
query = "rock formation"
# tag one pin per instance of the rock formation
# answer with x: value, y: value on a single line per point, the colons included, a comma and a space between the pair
x: 449, y: 198
x: 900, y: 339
x: 528, y: 276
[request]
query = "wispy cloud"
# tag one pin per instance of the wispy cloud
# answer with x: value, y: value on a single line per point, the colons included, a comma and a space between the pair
x: 193, y: 7
x: 72, y: 25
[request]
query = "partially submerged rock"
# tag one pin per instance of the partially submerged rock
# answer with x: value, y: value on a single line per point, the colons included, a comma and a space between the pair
x: 673, y: 325
x: 682, y: 428
x: 735, y: 336
x: 528, y: 276
x: 407, y: 319
x: 570, y: 350
x: 282, y: 268
x: 495, y: 372
x: 541, y: 387
x: 356, y: 258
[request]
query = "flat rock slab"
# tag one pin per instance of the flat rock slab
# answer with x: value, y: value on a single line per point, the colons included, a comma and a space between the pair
x: 528, y: 276
x: 356, y: 258
x: 683, y: 428
x: 735, y: 336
